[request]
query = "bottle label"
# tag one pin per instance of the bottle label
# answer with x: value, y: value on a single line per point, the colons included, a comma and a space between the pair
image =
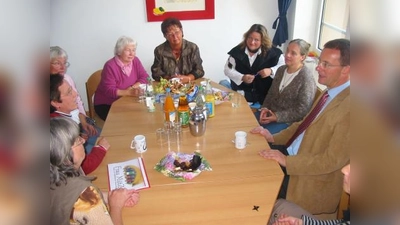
x: 184, y: 118
x: 150, y: 104
x: 171, y: 116
x: 209, y: 107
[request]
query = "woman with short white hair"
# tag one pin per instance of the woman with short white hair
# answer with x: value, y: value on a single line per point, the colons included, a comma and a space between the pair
x: 121, y: 76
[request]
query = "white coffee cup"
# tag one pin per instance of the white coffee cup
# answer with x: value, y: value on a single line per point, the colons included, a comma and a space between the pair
x: 240, y: 139
x: 139, y: 143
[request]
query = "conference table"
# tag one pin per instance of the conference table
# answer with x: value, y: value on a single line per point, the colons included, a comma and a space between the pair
x: 241, y: 188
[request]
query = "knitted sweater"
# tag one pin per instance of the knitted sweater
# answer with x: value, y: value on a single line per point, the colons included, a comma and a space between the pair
x: 295, y: 100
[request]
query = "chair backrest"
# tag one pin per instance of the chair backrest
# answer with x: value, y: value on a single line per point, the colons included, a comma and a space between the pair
x: 344, y: 204
x: 91, y: 86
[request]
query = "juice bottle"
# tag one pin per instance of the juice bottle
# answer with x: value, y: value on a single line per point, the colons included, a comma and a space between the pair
x: 169, y: 108
x: 183, y: 110
x: 210, y: 100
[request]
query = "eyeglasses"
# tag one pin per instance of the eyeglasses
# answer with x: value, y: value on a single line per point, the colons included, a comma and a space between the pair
x: 327, y: 65
x: 173, y: 33
x: 79, y: 141
x: 253, y: 39
x: 129, y: 50
x: 69, y: 92
x: 66, y: 64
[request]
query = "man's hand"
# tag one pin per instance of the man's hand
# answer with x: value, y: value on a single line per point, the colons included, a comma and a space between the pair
x: 264, y: 132
x: 275, y: 155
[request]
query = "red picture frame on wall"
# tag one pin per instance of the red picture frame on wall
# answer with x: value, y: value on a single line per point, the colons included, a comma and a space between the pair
x: 207, y: 13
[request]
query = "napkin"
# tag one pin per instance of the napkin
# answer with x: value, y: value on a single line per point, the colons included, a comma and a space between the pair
x: 166, y: 166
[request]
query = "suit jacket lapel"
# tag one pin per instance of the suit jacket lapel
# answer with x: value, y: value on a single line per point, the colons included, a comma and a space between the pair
x: 334, y: 103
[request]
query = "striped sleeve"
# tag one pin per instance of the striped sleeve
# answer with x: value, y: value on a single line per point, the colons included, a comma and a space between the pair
x: 310, y: 221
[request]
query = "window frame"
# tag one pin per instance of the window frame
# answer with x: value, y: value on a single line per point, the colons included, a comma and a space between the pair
x: 322, y: 23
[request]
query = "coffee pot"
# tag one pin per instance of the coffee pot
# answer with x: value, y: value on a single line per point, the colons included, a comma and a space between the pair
x: 197, y: 121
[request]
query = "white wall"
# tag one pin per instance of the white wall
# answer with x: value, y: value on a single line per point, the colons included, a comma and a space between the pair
x: 304, y: 17
x: 88, y: 30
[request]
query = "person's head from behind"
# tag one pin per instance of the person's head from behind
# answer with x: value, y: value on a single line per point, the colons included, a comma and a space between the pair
x: 58, y: 60
x: 62, y: 96
x: 66, y: 150
x: 172, y: 30
x: 334, y: 63
x: 296, y: 53
x: 125, y: 49
x: 255, y: 38
x: 346, y: 178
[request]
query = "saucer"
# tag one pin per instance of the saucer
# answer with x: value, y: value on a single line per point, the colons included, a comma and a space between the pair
x: 247, y: 143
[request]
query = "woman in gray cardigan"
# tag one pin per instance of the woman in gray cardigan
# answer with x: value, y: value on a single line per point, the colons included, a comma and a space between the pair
x: 292, y: 92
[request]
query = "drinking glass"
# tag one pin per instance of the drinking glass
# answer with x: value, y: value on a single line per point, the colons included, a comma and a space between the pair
x: 236, y: 100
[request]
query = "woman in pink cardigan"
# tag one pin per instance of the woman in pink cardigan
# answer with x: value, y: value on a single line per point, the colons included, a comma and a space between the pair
x: 121, y: 76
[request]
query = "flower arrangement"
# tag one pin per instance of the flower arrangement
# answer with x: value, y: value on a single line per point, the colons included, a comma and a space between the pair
x: 166, y: 166
x: 174, y: 85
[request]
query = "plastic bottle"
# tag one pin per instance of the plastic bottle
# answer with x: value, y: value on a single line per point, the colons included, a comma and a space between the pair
x: 169, y: 108
x: 150, y: 96
x: 200, y: 98
x: 201, y: 101
x: 210, y: 100
x: 183, y: 110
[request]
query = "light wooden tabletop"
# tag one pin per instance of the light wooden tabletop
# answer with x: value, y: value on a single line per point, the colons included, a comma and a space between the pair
x: 239, y: 180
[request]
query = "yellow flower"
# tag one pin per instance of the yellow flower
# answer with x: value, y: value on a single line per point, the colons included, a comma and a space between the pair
x: 158, y: 11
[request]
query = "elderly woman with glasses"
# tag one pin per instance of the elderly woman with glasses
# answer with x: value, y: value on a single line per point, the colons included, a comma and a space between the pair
x: 58, y: 65
x: 121, y: 76
x: 73, y: 198
x: 176, y: 57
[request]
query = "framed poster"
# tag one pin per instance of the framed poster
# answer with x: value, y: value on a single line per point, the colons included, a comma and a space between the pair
x: 158, y: 10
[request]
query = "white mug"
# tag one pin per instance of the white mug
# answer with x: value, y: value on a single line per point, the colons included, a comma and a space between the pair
x: 139, y: 143
x: 240, y: 139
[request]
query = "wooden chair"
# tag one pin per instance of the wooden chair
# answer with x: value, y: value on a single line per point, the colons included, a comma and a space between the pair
x: 344, y: 204
x: 317, y: 93
x: 91, y: 86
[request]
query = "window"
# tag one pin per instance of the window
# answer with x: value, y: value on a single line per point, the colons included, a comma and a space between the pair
x: 334, y: 22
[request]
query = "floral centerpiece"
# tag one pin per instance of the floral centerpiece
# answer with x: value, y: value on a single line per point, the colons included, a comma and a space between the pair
x: 176, y: 87
x: 168, y: 167
x: 221, y: 96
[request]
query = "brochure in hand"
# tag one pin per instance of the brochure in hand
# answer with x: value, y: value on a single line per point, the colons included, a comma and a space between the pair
x: 130, y: 174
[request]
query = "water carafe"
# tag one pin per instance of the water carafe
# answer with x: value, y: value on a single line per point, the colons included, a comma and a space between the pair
x: 197, y: 123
